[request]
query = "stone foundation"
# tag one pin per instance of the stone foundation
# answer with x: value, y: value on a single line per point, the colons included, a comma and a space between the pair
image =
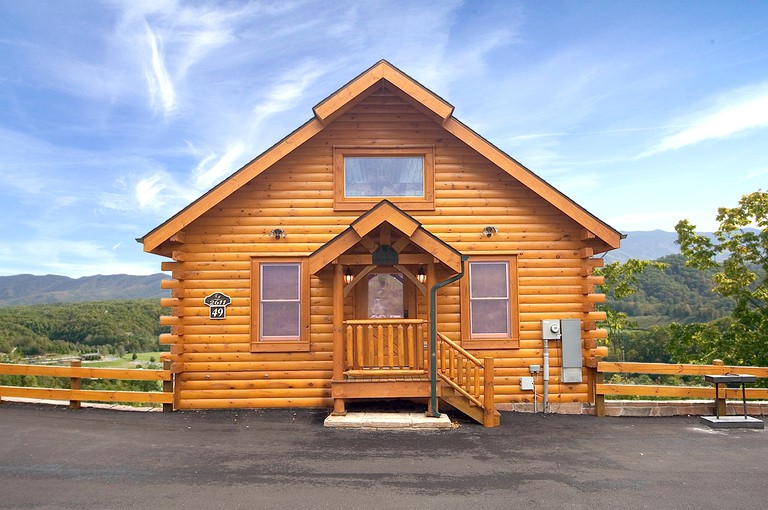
x: 650, y: 408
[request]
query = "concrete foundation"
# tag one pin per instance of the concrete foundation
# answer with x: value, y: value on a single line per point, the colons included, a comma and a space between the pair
x: 651, y: 408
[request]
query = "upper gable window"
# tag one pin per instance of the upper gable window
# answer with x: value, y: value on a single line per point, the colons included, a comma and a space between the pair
x: 363, y: 177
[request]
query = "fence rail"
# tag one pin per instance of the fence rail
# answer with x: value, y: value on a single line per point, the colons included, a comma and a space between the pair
x: 76, y: 373
x: 601, y: 390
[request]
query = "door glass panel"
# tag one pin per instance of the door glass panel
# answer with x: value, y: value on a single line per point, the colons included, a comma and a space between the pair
x: 385, y: 296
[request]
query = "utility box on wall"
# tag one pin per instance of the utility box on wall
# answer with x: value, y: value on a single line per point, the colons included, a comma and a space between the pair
x: 572, y: 359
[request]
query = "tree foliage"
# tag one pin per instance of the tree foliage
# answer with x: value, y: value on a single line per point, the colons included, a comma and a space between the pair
x: 675, y: 293
x: 738, y: 254
x: 109, y: 326
x: 620, y: 281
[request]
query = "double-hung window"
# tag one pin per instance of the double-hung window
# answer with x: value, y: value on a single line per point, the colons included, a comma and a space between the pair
x: 363, y: 177
x: 280, y: 305
x: 489, y: 303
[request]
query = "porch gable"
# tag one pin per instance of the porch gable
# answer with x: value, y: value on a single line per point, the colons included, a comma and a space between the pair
x: 384, y: 212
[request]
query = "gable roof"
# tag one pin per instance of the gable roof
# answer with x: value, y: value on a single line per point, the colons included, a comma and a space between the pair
x: 341, y: 101
x: 384, y: 212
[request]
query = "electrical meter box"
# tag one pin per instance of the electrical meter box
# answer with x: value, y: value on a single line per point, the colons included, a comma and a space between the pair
x: 550, y: 329
x: 569, y: 331
x: 572, y: 358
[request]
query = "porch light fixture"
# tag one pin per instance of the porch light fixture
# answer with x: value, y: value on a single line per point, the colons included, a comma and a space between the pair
x: 421, y: 275
x: 348, y: 276
x: 277, y: 233
x: 489, y: 231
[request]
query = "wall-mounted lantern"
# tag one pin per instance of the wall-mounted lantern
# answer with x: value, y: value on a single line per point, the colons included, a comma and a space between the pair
x: 348, y: 276
x: 421, y: 275
x: 489, y: 231
x: 277, y: 233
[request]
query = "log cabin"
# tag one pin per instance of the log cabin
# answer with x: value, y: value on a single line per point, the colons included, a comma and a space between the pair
x: 383, y: 250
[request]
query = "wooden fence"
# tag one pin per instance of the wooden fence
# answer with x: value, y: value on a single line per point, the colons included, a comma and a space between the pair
x: 601, y: 390
x: 75, y: 373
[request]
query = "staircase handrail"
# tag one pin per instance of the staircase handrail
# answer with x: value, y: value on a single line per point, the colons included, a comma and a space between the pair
x: 461, y: 350
x: 487, y: 366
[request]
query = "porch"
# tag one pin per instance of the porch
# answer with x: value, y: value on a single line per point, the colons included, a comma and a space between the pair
x: 385, y: 350
x: 383, y: 358
x: 389, y: 359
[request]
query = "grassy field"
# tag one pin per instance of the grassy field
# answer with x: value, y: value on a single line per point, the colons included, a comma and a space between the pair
x: 143, y: 359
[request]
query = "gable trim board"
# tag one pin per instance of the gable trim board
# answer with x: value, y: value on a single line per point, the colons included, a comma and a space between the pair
x: 384, y: 211
x: 339, y: 102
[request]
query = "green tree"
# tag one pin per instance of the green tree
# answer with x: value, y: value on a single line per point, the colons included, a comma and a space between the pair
x: 620, y: 281
x: 741, y: 243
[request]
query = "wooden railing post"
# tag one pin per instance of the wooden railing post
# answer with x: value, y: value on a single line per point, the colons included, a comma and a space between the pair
x: 338, y: 334
x: 599, y: 397
x: 168, y: 386
x: 720, y: 402
x: 489, y: 409
x: 74, y: 384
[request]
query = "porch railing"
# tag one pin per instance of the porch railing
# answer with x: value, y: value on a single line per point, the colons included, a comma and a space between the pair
x: 467, y: 375
x: 384, y: 346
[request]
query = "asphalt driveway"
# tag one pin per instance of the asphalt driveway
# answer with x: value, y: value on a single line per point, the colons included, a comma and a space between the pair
x: 51, y: 457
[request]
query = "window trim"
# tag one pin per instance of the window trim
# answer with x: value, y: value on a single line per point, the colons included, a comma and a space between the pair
x: 343, y: 203
x: 493, y: 341
x: 285, y: 345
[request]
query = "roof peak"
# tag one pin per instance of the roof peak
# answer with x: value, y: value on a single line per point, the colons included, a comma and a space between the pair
x: 369, y: 81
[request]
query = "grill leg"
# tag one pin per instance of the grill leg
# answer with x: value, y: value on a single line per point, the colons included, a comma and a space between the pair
x: 744, y: 399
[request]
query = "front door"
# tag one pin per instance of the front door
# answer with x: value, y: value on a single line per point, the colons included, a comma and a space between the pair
x: 385, y: 294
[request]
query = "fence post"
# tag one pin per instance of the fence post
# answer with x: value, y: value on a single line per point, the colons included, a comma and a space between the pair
x: 599, y: 397
x: 168, y: 386
x: 488, y: 393
x: 720, y: 405
x: 74, y: 384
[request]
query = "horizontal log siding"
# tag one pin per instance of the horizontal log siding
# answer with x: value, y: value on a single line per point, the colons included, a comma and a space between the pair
x: 216, y: 366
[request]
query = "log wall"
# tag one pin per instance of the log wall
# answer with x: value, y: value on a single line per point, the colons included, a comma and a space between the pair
x: 213, y: 358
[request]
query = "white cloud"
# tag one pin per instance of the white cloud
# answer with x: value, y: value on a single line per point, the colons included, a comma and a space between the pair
x: 753, y: 174
x: 158, y: 80
x: 290, y: 87
x: 738, y: 111
x: 70, y: 258
x: 211, y: 169
x: 147, y: 190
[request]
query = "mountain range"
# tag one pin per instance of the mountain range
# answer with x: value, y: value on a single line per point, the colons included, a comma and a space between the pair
x: 27, y: 289
x: 645, y: 245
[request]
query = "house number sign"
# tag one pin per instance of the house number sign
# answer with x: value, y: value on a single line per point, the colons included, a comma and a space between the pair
x: 217, y: 305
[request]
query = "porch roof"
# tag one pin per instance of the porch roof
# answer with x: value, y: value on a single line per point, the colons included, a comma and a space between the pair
x: 384, y: 212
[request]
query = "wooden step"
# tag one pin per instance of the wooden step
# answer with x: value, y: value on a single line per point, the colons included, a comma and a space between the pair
x: 458, y: 401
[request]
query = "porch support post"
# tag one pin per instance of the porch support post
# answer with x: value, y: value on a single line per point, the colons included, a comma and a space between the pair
x: 338, y: 334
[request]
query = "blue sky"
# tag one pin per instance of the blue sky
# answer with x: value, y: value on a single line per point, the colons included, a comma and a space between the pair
x: 115, y: 115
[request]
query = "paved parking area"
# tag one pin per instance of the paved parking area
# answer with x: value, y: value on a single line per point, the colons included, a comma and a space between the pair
x: 51, y: 457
